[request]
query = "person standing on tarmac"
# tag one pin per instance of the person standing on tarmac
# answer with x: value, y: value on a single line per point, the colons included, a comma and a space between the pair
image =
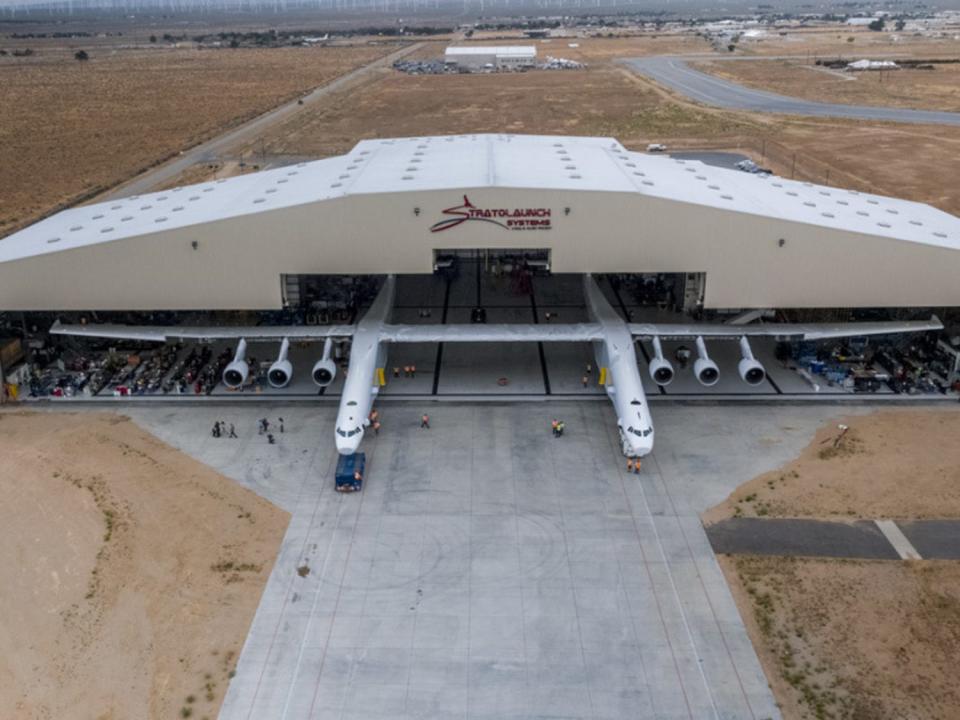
x: 553, y: 427
x: 425, y: 421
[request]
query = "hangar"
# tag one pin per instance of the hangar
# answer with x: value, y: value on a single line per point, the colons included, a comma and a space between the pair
x: 731, y: 241
x: 395, y: 205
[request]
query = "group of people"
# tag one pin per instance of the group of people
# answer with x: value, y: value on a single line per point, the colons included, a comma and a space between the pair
x: 585, y: 379
x: 633, y: 465
x: 265, y: 429
x: 409, y: 371
x: 220, y: 427
x: 557, y: 426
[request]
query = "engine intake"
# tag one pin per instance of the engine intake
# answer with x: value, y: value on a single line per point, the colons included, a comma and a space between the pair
x: 751, y: 371
x: 661, y: 371
x: 236, y: 373
x: 281, y: 372
x: 704, y: 368
x: 325, y: 370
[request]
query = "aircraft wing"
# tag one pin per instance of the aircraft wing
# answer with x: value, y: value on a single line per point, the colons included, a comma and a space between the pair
x: 500, y: 332
x: 165, y: 333
x: 782, y: 331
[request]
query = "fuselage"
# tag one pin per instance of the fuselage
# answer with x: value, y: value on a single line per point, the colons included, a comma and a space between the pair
x: 616, y: 354
x: 360, y: 386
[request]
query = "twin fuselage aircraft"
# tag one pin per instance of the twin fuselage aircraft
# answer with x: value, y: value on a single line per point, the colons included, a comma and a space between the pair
x: 613, y: 341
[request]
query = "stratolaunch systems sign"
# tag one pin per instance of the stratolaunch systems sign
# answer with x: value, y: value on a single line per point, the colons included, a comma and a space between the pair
x: 506, y: 218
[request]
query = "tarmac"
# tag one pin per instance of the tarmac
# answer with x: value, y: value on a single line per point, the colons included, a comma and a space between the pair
x: 488, y: 570
x: 674, y: 73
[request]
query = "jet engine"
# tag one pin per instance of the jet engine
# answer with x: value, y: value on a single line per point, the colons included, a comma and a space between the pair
x: 235, y: 374
x: 325, y: 370
x: 751, y: 371
x: 661, y: 371
x: 281, y: 372
x: 704, y: 368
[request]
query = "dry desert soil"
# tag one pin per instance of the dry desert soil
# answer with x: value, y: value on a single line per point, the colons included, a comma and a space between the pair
x: 129, y: 573
x: 857, y: 639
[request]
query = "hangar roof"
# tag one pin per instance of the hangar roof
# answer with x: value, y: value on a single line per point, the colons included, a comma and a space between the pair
x: 519, y: 50
x: 487, y: 161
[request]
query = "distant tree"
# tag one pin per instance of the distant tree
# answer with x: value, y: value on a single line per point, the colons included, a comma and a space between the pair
x: 234, y: 43
x: 899, y: 25
x: 731, y: 47
x: 153, y: 38
x: 81, y: 55
x: 877, y: 25
x: 850, y: 39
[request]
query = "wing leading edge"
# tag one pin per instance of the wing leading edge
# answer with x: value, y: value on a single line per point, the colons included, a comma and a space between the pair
x: 782, y: 331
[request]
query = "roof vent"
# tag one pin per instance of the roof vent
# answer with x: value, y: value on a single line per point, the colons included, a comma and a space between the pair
x: 886, y: 225
x: 164, y: 197
x: 292, y: 172
x: 566, y: 158
x: 128, y: 218
x: 727, y: 197
x: 631, y: 164
x: 690, y: 169
x: 828, y: 215
x: 76, y: 227
x: 53, y: 240
x: 574, y: 177
x: 258, y: 200
x: 778, y: 184
x: 346, y: 175
x: 824, y: 192
x: 810, y: 204
x: 98, y: 217
x: 873, y: 202
x: 146, y: 207
x: 160, y: 220
x: 647, y: 182
x: 842, y: 202
x: 940, y: 234
x: 194, y: 197
x: 916, y: 222
x: 106, y: 230
x: 713, y: 187
x: 281, y: 181
x: 269, y: 191
x: 791, y: 193
x: 570, y: 167
x: 409, y: 169
x: 208, y: 189
x: 407, y: 177
x: 418, y: 154
x: 863, y: 212
x: 701, y: 177
x: 116, y: 207
x: 336, y: 185
x: 354, y: 167
x: 641, y: 174
x: 892, y: 211
x: 178, y: 208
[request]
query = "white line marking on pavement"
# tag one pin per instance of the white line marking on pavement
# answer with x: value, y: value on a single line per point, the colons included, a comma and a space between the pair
x: 894, y: 534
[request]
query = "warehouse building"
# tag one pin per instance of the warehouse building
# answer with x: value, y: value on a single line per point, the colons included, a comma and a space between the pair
x: 398, y: 206
x: 499, y: 57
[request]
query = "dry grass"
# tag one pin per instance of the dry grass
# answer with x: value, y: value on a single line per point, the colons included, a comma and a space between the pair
x: 891, y: 463
x: 78, y: 126
x: 857, y: 640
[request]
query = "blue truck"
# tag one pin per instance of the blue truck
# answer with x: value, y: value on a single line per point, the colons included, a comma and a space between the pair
x: 350, y: 472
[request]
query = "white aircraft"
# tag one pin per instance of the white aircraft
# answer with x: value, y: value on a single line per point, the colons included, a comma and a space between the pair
x: 613, y: 340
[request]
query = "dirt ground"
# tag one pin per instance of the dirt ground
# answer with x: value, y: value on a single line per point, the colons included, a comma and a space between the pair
x: 899, y: 464
x: 84, y: 126
x: 130, y: 572
x: 859, y: 640
x: 607, y: 99
x: 937, y: 89
x: 853, y: 640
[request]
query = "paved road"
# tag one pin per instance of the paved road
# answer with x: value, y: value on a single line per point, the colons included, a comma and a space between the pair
x: 677, y: 75
x: 931, y: 539
x: 147, y: 181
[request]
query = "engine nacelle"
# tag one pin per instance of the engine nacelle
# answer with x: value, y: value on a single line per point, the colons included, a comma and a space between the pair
x: 324, y: 371
x: 281, y: 371
x: 661, y: 371
x: 751, y: 371
x: 704, y: 368
x: 235, y: 374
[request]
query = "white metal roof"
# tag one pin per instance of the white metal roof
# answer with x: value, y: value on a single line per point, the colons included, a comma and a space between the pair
x: 487, y: 161
x: 516, y: 50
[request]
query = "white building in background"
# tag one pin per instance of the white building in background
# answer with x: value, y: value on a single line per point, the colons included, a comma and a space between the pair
x: 501, y: 57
